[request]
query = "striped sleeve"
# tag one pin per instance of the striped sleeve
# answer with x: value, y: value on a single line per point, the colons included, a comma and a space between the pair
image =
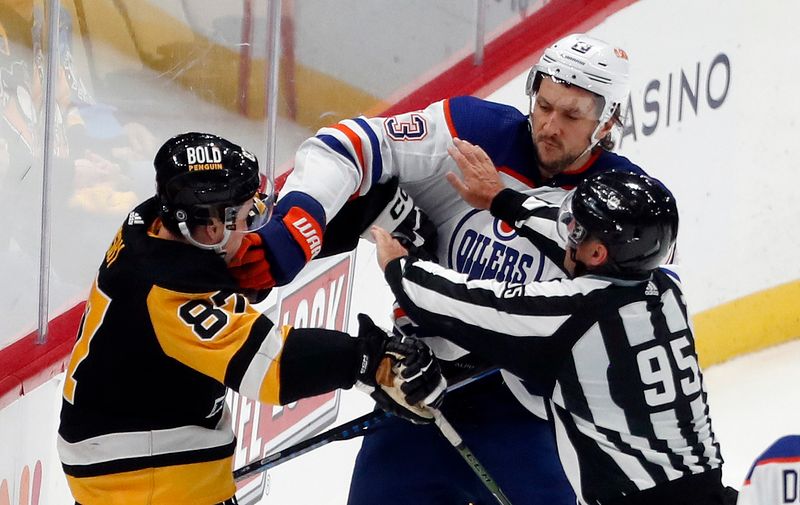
x: 344, y: 162
x: 514, y: 326
x: 535, y: 218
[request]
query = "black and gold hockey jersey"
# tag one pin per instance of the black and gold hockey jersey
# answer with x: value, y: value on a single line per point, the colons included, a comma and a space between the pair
x: 164, y: 333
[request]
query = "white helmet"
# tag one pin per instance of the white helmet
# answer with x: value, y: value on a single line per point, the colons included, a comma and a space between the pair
x: 588, y: 63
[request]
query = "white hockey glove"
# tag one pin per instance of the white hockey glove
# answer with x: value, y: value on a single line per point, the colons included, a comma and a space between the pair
x: 399, y: 373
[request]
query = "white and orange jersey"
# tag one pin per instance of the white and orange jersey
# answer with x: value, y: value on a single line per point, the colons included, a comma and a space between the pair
x: 774, y: 477
x: 345, y: 162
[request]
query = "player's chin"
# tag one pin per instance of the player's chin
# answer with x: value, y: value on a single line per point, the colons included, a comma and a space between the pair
x: 549, y: 154
x: 553, y: 166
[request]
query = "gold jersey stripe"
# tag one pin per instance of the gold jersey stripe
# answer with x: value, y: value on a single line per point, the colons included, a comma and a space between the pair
x: 205, y: 483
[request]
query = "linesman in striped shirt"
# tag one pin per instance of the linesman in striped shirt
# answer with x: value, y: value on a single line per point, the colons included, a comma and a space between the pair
x: 611, y: 348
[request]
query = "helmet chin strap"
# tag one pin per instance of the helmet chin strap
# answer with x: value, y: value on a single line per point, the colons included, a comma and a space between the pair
x: 217, y: 248
x: 594, y: 142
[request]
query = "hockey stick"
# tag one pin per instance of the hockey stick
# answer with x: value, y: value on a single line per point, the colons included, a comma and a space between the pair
x: 356, y: 428
x: 456, y: 441
x: 346, y: 431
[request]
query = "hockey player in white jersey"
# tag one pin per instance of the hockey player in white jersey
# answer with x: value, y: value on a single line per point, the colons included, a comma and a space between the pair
x: 576, y: 93
x: 774, y: 478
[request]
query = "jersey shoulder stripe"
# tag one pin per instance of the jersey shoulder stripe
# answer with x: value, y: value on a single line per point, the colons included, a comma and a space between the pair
x: 336, y: 146
x: 355, y: 142
x: 784, y: 450
x: 448, y: 117
x: 377, y: 159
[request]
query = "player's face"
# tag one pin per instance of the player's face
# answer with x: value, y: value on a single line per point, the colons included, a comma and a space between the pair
x: 214, y: 233
x: 563, y: 119
x: 236, y: 236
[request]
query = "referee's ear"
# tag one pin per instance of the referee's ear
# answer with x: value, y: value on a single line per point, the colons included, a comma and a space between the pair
x: 596, y: 253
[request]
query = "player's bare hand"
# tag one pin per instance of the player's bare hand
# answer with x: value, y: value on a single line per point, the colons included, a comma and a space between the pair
x: 481, y: 182
x: 388, y: 248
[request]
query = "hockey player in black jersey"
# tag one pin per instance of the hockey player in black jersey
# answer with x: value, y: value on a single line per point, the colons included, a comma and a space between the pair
x: 611, y: 348
x: 166, y: 331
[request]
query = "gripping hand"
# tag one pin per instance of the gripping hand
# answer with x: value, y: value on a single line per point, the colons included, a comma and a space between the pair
x: 417, y: 233
x: 455, y: 362
x: 399, y: 373
x: 250, y: 267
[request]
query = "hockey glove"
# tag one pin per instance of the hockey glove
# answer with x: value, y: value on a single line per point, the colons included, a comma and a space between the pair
x: 417, y: 233
x: 399, y: 373
x: 250, y: 266
x: 456, y: 363
x: 409, y: 225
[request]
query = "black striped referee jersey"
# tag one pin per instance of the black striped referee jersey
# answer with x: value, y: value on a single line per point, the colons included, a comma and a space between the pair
x: 615, y: 359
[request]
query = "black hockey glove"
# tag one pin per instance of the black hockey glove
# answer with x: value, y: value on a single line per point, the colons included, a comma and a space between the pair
x: 408, y: 224
x: 387, y: 206
x: 418, y: 234
x: 455, y: 369
x: 399, y: 373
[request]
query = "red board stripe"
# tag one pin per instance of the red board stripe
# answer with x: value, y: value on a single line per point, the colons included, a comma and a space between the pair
x: 24, y: 365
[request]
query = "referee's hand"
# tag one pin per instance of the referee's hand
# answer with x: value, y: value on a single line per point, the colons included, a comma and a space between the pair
x: 481, y: 182
x: 388, y: 248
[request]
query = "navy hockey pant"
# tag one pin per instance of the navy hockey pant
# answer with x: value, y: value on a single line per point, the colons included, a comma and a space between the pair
x: 402, y: 463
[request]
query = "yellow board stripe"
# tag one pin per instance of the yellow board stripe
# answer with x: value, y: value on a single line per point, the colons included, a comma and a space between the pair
x: 747, y: 324
x: 130, y: 35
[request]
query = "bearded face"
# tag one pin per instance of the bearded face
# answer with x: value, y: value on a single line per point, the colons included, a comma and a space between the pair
x: 563, y: 120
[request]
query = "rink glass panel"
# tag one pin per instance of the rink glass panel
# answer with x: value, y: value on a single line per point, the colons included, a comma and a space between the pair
x: 131, y: 74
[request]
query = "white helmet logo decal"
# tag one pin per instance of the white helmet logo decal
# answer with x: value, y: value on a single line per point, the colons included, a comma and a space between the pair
x: 582, y: 47
x: 204, y: 158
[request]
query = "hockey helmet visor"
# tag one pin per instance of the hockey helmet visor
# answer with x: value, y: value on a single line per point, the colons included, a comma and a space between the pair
x: 569, y: 230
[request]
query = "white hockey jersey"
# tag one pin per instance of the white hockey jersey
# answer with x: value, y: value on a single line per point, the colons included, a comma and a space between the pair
x: 342, y: 162
x: 774, y: 478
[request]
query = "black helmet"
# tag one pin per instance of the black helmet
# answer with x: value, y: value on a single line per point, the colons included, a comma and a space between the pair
x: 635, y: 216
x: 198, y: 175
